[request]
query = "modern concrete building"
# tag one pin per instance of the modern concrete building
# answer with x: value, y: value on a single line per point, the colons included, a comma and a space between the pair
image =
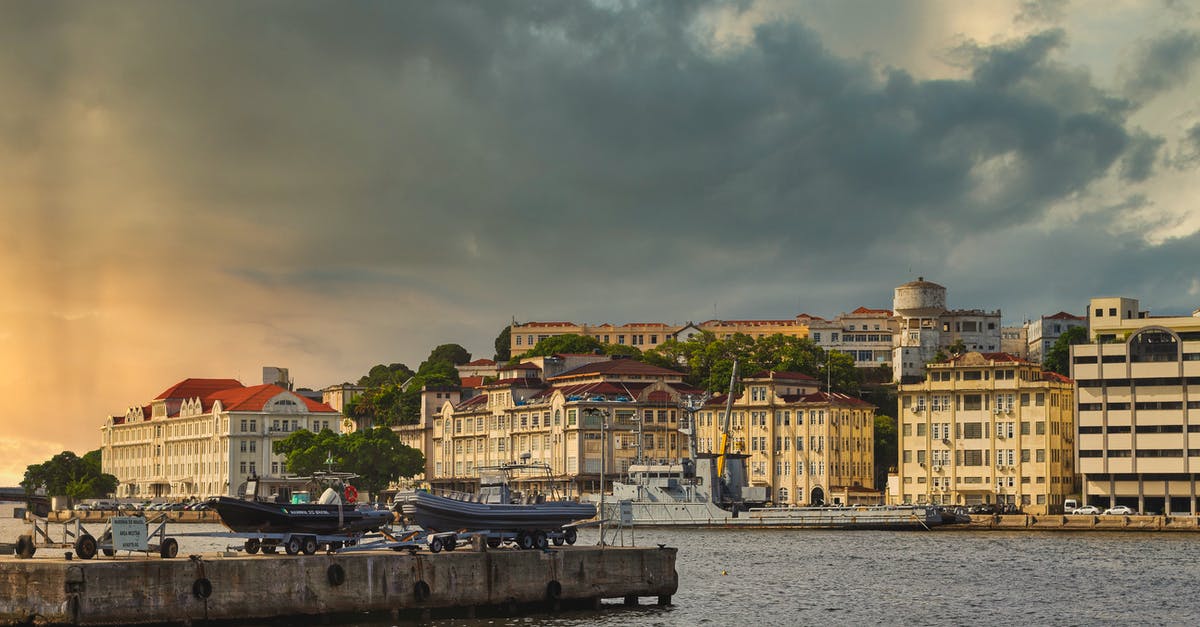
x: 926, y: 327
x: 986, y: 428
x: 1041, y: 334
x: 202, y: 437
x: 1138, y: 400
x: 805, y: 446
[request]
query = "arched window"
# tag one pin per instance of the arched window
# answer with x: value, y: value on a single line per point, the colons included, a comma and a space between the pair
x: 783, y: 496
x: 1153, y: 345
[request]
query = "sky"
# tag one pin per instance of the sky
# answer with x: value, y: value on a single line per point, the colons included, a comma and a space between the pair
x: 204, y: 189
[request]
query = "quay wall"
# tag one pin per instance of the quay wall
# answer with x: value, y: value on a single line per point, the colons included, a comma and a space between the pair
x: 1073, y: 522
x: 138, y: 590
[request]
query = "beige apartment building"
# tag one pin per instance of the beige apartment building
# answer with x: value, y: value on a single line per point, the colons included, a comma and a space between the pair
x: 597, y: 415
x: 203, y: 437
x: 986, y: 428
x: 1139, y: 408
x: 805, y: 446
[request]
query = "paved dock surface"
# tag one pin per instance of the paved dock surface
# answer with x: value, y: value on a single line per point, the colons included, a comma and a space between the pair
x: 140, y: 590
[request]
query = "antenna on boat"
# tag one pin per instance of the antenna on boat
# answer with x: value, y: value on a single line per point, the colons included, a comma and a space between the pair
x: 329, y: 461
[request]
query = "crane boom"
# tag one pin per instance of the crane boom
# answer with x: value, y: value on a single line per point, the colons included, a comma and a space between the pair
x: 726, y: 423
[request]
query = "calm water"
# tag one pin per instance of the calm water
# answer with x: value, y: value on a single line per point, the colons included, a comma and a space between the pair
x: 912, y: 578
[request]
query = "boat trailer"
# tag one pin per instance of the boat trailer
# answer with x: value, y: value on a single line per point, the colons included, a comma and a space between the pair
x: 74, y: 535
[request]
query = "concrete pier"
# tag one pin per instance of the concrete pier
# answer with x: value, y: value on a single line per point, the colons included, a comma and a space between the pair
x: 133, y: 590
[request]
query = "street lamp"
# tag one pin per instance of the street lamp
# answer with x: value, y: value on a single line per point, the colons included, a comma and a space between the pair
x: 603, y: 413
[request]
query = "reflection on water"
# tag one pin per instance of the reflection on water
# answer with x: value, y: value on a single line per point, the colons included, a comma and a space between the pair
x: 920, y: 578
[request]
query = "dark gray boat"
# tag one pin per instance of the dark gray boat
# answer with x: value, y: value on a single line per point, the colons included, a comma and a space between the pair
x: 494, y: 508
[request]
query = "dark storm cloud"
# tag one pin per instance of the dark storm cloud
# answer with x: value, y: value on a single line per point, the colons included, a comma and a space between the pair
x: 1162, y: 64
x: 508, y: 149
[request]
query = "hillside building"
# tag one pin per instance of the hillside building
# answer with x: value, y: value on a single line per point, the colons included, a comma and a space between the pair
x: 986, y: 428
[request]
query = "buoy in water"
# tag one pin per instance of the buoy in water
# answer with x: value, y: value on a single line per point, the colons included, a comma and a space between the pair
x: 724, y: 572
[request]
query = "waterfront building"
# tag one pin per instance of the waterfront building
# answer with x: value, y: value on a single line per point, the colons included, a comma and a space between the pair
x: 340, y: 395
x: 806, y: 446
x: 1139, y: 408
x: 1042, y: 333
x: 202, y: 437
x: 578, y: 420
x: 926, y: 327
x: 986, y: 428
x: 648, y: 335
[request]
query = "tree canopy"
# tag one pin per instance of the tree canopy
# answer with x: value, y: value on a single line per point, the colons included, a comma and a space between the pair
x: 67, y: 474
x: 708, y: 361
x: 1058, y: 358
x: 393, y: 394
x: 503, y: 345
x: 376, y: 455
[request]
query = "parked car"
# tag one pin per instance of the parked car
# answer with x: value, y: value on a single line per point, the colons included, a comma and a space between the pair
x: 1090, y: 510
x: 1119, y: 510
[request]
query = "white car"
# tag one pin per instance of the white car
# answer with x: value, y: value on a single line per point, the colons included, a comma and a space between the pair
x: 1087, y: 510
x: 1119, y: 510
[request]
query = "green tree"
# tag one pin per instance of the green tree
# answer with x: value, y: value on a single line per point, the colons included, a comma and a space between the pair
x: 558, y: 344
x: 503, y: 345
x: 886, y: 453
x: 1058, y: 358
x: 67, y: 474
x: 381, y: 374
x: 376, y: 455
x: 453, y: 353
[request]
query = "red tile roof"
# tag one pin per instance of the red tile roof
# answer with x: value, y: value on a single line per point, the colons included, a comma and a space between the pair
x: 481, y: 362
x: 864, y: 310
x: 255, y: 398
x: 545, y: 324
x: 1050, y: 375
x: 472, y: 403
x: 617, y: 367
x: 471, y: 382
x: 191, y: 388
x: 1062, y: 315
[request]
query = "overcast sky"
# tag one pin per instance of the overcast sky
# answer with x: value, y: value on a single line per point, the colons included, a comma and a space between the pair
x: 202, y: 189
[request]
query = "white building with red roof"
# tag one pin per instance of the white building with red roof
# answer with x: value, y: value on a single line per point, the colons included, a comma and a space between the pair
x: 203, y: 437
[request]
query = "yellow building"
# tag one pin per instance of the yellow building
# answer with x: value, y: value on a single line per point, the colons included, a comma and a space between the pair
x: 648, y: 335
x: 986, y: 428
x: 805, y: 446
x: 1138, y: 400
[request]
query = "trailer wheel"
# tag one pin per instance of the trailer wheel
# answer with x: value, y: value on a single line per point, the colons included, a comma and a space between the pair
x: 570, y: 535
x: 310, y: 545
x: 435, y: 545
x: 270, y: 549
x: 557, y: 540
x: 451, y: 543
x: 525, y: 540
x: 293, y: 545
x: 169, y: 548
x: 539, y: 539
x: 25, y: 547
x: 85, y: 547
x: 253, y: 545
x: 108, y: 552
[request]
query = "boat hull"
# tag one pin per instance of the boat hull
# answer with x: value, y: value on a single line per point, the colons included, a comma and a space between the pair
x: 439, y: 513
x: 245, y: 516
x: 700, y: 514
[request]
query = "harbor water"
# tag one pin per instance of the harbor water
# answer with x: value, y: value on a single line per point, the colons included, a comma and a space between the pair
x: 809, y: 577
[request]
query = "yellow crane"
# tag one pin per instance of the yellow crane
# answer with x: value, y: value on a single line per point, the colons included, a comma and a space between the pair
x: 725, y: 423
